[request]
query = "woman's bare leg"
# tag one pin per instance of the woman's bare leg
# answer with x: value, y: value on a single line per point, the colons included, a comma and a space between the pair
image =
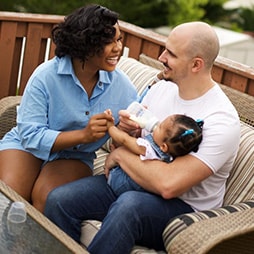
x: 19, y: 170
x: 54, y: 174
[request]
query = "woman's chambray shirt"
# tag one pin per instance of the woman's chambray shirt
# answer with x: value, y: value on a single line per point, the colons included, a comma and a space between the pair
x: 54, y: 101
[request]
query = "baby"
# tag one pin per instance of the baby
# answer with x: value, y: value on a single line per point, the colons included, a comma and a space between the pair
x: 177, y: 135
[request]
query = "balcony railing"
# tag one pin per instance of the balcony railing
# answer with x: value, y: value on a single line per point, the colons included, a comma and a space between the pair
x: 25, y: 43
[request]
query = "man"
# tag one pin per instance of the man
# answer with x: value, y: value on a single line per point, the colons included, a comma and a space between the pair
x: 190, y: 183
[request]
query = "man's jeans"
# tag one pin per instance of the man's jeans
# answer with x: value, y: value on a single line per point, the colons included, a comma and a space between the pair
x: 132, y: 218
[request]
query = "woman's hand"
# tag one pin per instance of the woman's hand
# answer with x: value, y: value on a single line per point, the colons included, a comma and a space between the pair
x: 97, y: 127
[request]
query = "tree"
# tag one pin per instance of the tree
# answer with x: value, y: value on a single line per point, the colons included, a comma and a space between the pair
x: 214, y: 11
x: 144, y: 13
x: 180, y: 11
x: 246, y: 18
x: 7, y: 5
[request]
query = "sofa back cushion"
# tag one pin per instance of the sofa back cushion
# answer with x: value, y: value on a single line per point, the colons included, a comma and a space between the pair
x: 240, y: 184
x: 140, y: 74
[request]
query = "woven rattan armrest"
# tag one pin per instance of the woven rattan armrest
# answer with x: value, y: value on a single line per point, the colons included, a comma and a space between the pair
x: 8, y: 112
x: 231, y: 233
x: 243, y: 103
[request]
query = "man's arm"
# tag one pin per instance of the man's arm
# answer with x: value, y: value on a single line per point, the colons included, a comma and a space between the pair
x: 166, y: 179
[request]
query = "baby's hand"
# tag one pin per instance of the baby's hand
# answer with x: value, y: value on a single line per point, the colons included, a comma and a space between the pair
x: 108, y: 111
x: 112, y: 121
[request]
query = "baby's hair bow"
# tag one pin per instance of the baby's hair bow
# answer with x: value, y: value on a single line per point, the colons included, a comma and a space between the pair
x: 200, y: 123
x: 187, y: 132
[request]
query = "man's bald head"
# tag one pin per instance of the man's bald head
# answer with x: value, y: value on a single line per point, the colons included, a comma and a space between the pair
x: 200, y: 40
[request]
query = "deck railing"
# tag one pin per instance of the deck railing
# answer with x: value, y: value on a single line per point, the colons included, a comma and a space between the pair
x: 25, y: 43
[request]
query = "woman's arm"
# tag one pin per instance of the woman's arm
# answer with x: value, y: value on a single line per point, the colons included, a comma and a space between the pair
x: 96, y: 129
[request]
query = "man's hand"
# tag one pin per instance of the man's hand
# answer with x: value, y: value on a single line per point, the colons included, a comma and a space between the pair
x: 128, y: 125
x: 110, y: 162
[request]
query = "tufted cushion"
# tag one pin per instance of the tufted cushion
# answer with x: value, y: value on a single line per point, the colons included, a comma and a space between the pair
x: 239, y: 184
x: 180, y: 223
x: 99, y: 161
x: 140, y: 74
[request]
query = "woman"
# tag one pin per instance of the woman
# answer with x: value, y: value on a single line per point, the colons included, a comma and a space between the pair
x: 61, y: 120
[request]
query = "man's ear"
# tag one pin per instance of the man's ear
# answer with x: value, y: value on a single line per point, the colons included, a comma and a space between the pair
x: 197, y: 64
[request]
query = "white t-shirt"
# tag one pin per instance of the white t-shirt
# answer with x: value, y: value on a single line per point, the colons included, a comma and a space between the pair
x: 221, y: 136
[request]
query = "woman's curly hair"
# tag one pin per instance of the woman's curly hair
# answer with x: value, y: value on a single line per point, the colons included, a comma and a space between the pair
x: 85, y: 32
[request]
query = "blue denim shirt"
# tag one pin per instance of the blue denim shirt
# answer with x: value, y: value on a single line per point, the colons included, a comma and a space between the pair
x: 54, y: 100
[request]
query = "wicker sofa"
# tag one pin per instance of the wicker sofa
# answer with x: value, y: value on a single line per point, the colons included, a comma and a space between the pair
x: 229, y: 229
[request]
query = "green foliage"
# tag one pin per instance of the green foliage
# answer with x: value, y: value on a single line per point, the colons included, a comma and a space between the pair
x: 58, y: 7
x: 146, y: 13
x: 7, y: 5
x: 214, y: 11
x: 246, y: 20
x: 184, y: 11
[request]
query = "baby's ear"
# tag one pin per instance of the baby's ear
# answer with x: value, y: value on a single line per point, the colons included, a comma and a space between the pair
x: 164, y: 147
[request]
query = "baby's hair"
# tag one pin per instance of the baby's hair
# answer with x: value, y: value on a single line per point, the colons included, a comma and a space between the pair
x: 186, y: 135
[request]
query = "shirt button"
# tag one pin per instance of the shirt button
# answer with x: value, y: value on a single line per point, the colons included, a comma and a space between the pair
x: 87, y: 113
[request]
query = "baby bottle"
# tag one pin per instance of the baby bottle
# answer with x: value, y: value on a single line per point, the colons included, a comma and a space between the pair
x: 142, y: 116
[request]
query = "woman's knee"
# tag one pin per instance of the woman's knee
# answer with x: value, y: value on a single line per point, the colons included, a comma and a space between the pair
x: 24, y: 171
x: 55, y: 174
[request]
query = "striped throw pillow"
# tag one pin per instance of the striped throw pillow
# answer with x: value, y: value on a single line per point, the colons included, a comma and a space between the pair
x: 181, y: 222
